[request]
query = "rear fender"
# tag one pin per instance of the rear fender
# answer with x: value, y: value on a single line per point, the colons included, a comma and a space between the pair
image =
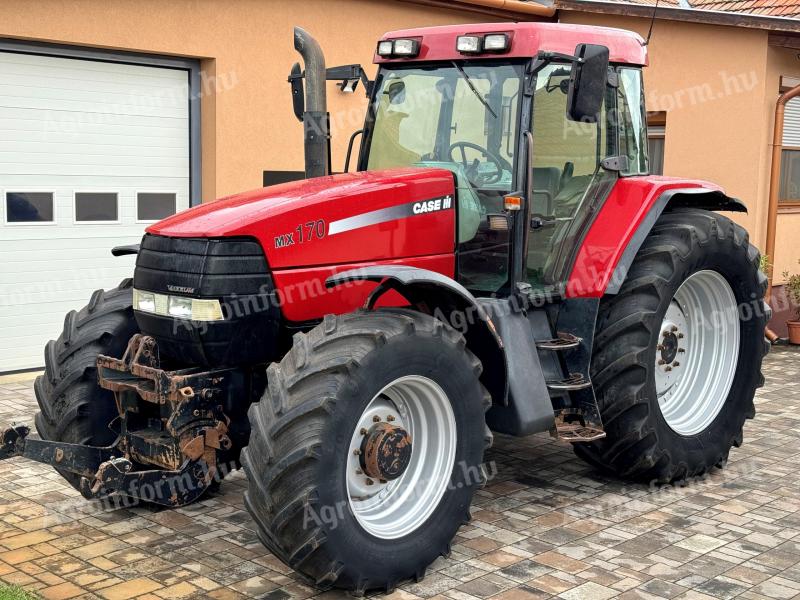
x: 448, y: 301
x: 709, y: 199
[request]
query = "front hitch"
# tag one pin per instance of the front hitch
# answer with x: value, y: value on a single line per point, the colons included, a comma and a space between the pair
x: 170, y: 430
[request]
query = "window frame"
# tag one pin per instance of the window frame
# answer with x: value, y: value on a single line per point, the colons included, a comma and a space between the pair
x: 787, y: 203
x: 14, y: 190
x: 75, y: 219
x: 145, y: 191
x: 619, y: 127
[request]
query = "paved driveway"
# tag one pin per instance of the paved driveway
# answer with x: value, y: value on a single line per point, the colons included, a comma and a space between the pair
x: 546, y: 525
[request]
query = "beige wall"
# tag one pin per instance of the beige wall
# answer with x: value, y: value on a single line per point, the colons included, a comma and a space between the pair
x: 782, y: 61
x: 247, y: 45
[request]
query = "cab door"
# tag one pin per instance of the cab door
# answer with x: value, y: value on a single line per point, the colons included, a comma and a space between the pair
x: 568, y: 179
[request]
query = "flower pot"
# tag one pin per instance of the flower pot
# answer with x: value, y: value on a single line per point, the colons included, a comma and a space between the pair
x: 794, y: 332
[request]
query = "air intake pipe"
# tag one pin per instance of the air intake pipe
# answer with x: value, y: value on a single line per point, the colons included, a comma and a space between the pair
x: 315, y: 116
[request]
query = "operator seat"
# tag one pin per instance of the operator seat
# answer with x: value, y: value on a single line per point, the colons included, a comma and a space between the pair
x: 470, y: 211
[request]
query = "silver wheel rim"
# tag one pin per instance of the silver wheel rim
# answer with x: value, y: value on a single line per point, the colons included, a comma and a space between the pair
x: 393, y: 509
x: 697, y: 352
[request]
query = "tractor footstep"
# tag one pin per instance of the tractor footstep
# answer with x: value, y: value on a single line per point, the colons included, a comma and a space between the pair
x: 576, y: 432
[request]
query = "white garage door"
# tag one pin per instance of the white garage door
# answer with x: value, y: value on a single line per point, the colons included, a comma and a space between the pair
x: 90, y: 152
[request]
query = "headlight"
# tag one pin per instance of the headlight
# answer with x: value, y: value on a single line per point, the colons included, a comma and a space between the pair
x: 180, y: 307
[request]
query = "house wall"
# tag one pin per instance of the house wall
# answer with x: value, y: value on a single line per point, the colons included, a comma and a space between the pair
x: 247, y: 51
x: 781, y: 61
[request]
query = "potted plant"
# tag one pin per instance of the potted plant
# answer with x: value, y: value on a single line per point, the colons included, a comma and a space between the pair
x: 793, y: 292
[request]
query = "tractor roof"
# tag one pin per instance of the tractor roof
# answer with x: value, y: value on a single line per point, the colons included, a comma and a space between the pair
x: 527, y: 39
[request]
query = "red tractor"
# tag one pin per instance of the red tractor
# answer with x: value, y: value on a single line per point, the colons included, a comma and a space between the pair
x: 501, y: 260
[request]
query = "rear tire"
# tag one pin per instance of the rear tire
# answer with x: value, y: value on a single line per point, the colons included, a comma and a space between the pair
x: 647, y: 439
x: 73, y: 407
x: 299, y: 461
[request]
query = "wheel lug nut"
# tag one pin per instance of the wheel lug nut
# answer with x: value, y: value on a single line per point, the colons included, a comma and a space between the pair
x: 376, y: 419
x: 676, y: 364
x: 681, y: 350
x: 390, y: 418
x: 662, y: 362
x: 364, y: 431
x: 660, y: 347
x: 370, y: 482
x: 357, y: 452
x: 680, y: 336
x: 673, y: 329
x: 359, y: 472
x: 668, y: 369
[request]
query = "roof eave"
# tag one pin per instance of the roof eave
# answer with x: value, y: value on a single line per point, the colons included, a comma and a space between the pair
x: 669, y: 13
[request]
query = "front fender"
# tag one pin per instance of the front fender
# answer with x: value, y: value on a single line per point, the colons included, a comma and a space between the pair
x: 450, y: 302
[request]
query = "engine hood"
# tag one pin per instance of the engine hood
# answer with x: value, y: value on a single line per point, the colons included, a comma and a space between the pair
x: 354, y: 217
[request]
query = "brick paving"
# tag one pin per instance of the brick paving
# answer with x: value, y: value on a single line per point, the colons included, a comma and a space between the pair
x: 546, y: 526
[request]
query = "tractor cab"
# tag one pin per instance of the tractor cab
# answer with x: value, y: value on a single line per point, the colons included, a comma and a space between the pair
x: 512, y: 111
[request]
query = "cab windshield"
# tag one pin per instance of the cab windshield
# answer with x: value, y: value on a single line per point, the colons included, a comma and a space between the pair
x: 462, y: 117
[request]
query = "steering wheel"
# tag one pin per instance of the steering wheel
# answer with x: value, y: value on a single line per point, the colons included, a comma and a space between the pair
x: 476, y: 177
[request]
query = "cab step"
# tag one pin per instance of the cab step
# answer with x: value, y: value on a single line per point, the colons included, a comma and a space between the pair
x: 573, y: 426
x: 573, y: 383
x: 564, y: 341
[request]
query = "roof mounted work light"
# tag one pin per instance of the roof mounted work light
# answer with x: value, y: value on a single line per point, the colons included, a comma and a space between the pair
x: 478, y: 44
x: 403, y: 48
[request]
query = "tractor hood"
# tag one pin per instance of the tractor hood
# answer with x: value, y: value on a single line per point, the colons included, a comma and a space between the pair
x: 354, y: 217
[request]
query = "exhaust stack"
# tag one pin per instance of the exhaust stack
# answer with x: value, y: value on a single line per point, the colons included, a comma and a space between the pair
x: 315, y: 116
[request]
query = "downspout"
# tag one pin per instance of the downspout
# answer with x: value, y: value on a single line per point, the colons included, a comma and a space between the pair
x: 774, y: 186
x: 315, y: 117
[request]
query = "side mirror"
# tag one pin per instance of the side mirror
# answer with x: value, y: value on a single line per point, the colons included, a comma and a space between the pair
x: 587, y: 83
x: 298, y: 99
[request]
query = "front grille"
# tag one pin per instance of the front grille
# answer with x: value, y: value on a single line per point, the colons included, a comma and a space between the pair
x: 232, y: 270
x: 211, y: 267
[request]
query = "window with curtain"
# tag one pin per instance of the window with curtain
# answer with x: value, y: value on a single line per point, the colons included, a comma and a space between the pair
x: 790, y: 159
x: 656, y: 138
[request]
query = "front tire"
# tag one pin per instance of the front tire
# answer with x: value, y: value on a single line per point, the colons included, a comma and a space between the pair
x: 73, y: 408
x: 678, y: 351
x: 346, y: 383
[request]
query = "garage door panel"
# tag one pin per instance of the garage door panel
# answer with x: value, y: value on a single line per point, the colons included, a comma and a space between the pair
x: 67, y: 126
x: 133, y: 146
x: 104, y: 126
x: 43, y: 71
x: 169, y: 101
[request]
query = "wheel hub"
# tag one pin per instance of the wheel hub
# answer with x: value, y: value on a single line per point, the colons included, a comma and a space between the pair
x: 669, y: 346
x: 385, y: 452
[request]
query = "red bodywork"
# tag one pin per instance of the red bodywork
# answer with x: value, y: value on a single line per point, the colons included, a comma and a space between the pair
x: 626, y: 207
x: 527, y: 39
x: 317, y: 207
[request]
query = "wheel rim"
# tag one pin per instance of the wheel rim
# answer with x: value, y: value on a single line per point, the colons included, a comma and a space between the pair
x: 697, y: 352
x: 391, y: 509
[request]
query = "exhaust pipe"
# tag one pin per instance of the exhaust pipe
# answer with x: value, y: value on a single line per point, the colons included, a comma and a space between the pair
x: 315, y: 116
